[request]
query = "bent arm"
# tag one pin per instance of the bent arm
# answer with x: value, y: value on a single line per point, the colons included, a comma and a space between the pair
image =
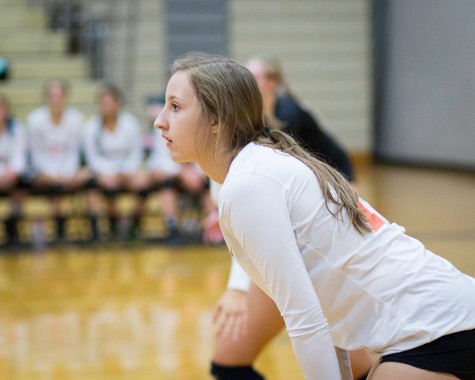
x: 259, y: 232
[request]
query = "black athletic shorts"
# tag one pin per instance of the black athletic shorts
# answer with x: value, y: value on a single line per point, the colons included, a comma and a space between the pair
x: 453, y: 353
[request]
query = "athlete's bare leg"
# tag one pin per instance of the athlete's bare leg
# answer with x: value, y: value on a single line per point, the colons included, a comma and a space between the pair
x: 361, y: 363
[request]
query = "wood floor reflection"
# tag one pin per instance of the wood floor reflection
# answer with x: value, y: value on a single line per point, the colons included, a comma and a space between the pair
x: 144, y: 312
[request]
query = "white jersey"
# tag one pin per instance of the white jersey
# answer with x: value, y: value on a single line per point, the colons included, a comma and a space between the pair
x: 384, y: 290
x: 55, y: 149
x: 13, y: 148
x: 117, y: 151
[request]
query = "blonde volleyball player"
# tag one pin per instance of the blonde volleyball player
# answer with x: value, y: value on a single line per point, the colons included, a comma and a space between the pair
x: 55, y: 137
x: 234, y: 355
x: 341, y: 275
x: 114, y: 153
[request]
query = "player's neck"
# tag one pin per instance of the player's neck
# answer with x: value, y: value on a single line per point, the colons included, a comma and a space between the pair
x: 216, y: 166
x: 56, y: 116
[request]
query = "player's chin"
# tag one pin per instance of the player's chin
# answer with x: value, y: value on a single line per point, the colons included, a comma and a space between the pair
x: 179, y: 158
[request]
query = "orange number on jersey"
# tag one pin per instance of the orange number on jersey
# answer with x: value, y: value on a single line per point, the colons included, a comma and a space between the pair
x: 374, y: 220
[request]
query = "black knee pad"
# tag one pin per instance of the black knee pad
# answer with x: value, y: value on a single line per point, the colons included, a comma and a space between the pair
x: 91, y: 183
x: 224, y: 372
x: 143, y: 193
x: 170, y: 183
x: 57, y: 190
x: 110, y: 193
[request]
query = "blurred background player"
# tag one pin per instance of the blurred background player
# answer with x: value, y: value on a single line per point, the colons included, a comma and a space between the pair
x: 283, y: 111
x: 114, y: 153
x: 12, y: 166
x: 54, y: 134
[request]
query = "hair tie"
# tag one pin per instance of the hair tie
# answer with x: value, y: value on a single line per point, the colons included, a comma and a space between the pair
x: 265, y: 132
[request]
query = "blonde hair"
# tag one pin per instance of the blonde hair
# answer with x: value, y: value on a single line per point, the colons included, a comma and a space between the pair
x: 60, y: 82
x: 228, y: 92
x: 112, y: 90
x: 272, y: 69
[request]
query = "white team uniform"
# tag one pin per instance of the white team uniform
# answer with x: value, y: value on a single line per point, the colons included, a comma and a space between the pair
x: 13, y: 148
x: 55, y: 149
x: 384, y: 290
x: 117, y: 151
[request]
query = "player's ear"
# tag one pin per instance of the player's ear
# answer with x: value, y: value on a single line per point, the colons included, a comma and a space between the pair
x: 214, y: 125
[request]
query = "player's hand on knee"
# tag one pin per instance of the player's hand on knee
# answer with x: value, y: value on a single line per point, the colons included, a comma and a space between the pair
x: 230, y: 315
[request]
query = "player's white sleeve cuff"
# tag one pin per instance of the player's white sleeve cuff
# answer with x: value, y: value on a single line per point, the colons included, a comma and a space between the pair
x: 344, y: 362
x: 238, y: 279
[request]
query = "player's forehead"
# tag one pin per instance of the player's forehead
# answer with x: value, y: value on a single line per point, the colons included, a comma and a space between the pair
x: 179, y: 87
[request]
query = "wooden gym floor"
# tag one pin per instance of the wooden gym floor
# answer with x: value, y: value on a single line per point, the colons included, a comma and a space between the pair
x: 143, y: 312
